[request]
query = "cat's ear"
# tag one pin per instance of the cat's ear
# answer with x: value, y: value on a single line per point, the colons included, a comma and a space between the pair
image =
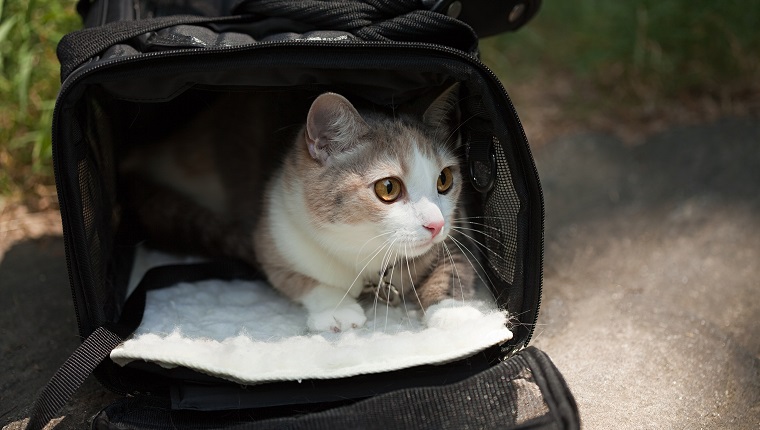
x: 443, y: 111
x: 333, y: 125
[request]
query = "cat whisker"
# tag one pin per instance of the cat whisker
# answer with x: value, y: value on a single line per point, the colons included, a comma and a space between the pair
x: 401, y: 278
x: 489, y: 252
x: 385, y: 262
x: 459, y: 278
x: 413, y: 288
x: 513, y: 320
x: 467, y: 220
x: 481, y: 221
x: 369, y: 260
x: 414, y: 262
x: 383, y: 268
x: 464, y: 248
x: 417, y: 296
x: 454, y: 272
x: 358, y: 254
x: 456, y: 130
x: 461, y: 230
x: 479, y: 217
x: 464, y: 221
x: 483, y: 246
x: 401, y: 286
x: 390, y: 279
x: 359, y: 274
x: 411, y: 280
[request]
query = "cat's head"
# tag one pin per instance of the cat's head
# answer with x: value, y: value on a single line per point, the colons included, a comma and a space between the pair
x: 383, y: 181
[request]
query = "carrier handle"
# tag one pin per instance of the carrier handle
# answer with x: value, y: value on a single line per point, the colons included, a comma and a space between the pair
x: 371, y: 20
x: 375, y: 20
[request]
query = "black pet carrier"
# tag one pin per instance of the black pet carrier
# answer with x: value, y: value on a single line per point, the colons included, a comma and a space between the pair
x: 143, y: 68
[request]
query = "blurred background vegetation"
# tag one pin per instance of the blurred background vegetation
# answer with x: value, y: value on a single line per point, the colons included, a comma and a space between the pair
x: 579, y: 64
x: 29, y: 33
x: 630, y: 67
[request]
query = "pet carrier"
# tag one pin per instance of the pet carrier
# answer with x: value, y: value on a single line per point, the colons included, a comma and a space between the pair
x: 144, y: 69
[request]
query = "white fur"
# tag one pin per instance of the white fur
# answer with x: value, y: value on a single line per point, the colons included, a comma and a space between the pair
x: 304, y: 247
x: 329, y: 310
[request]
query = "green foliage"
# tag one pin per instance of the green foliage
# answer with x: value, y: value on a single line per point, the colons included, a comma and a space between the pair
x: 29, y: 33
x: 644, y: 48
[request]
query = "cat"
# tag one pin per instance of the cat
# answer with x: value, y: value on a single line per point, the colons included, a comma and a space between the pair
x: 360, y: 201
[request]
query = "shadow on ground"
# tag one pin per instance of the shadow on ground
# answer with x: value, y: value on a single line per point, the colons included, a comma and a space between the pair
x: 652, y: 282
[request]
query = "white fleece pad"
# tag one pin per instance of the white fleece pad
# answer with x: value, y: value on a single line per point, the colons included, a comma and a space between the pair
x: 245, y: 331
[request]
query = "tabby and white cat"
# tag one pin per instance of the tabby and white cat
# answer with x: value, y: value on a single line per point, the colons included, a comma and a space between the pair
x: 361, y: 198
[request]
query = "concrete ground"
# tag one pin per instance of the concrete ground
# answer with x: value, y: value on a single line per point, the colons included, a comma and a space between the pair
x: 651, y: 301
x: 651, y: 305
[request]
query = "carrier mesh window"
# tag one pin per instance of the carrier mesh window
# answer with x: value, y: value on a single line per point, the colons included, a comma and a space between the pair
x: 93, y: 149
x: 500, y: 219
x: 94, y: 271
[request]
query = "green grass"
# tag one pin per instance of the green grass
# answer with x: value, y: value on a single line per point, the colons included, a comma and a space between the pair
x: 631, y: 52
x: 638, y: 50
x: 29, y: 33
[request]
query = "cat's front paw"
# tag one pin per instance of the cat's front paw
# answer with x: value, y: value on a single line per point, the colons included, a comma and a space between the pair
x: 342, y: 318
x: 451, y: 313
x: 331, y: 309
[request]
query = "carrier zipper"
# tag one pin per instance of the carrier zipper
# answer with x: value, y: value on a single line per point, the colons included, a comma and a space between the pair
x: 84, y: 70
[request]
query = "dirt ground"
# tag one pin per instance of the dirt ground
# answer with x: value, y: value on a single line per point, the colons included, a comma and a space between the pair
x: 651, y: 283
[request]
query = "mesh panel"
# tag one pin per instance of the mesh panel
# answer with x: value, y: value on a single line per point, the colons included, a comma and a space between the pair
x: 89, y: 272
x: 96, y: 228
x: 500, y: 219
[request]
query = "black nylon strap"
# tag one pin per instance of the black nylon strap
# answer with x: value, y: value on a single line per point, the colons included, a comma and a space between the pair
x: 71, y: 375
x: 372, y: 20
x: 346, y: 15
x: 99, y: 344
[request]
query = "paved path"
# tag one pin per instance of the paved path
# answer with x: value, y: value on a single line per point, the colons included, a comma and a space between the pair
x: 651, y: 304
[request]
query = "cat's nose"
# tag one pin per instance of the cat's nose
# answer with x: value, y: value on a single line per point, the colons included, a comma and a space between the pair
x: 434, y: 227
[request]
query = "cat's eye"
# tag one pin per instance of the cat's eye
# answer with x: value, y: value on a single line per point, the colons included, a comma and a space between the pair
x: 388, y: 189
x: 445, y: 180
